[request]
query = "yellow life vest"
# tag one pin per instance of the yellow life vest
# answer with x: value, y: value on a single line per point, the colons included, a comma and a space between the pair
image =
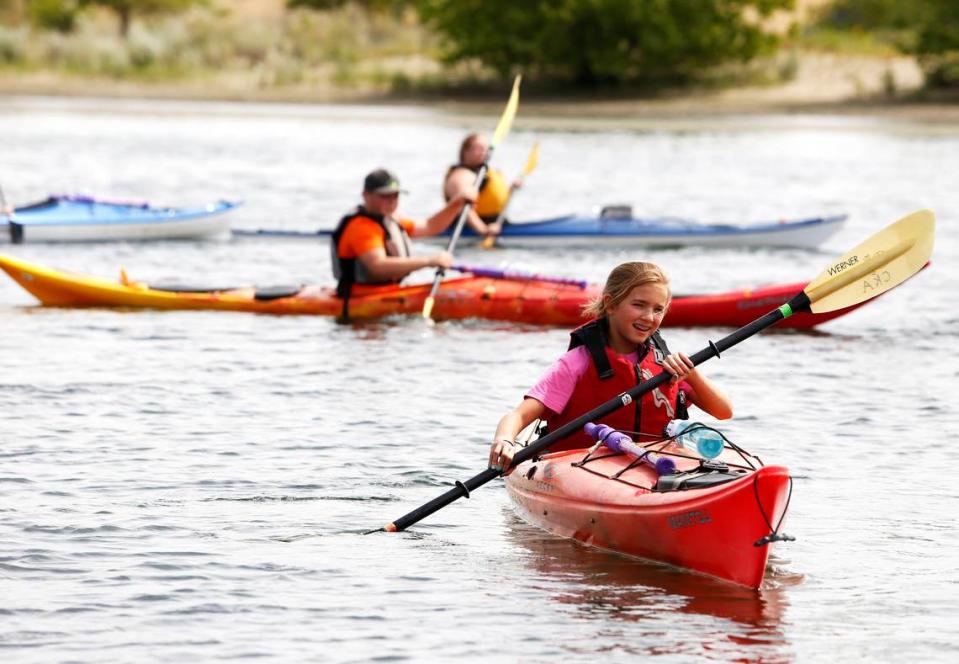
x: 493, y: 193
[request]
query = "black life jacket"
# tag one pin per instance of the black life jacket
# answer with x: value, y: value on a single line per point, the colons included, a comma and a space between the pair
x: 349, y: 271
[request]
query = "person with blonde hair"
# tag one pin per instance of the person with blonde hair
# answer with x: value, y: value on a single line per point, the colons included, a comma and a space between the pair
x: 619, y: 348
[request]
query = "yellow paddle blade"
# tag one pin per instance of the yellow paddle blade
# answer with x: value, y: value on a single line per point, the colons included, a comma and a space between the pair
x: 506, y: 121
x: 428, y: 308
x: 533, y: 160
x: 883, y: 261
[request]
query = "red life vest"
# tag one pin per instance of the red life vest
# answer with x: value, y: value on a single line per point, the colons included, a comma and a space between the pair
x: 610, y: 374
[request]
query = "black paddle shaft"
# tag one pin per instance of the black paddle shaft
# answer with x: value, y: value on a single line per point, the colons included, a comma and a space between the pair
x: 799, y: 302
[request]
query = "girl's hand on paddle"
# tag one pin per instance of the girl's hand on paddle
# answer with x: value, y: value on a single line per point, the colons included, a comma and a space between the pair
x: 501, y: 454
x: 679, y: 366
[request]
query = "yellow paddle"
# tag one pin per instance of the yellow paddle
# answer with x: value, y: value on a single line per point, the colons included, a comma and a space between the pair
x: 502, y: 129
x: 883, y: 261
x: 490, y: 241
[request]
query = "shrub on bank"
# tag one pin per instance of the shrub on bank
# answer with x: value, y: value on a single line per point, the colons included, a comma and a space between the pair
x: 298, y: 46
x: 11, y: 45
x: 928, y: 29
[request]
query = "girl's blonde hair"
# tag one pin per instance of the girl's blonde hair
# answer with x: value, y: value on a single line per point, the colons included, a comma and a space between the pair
x: 620, y: 283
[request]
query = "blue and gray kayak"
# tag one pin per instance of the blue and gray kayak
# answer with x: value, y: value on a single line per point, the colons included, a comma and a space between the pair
x: 616, y: 226
x: 89, y: 219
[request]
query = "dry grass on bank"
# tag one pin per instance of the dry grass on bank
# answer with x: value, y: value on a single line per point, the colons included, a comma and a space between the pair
x: 253, y: 41
x: 259, y: 50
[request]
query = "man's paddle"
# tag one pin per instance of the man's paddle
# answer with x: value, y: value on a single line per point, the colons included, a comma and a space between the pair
x: 883, y: 261
x: 502, y: 129
x: 516, y: 275
x: 490, y: 241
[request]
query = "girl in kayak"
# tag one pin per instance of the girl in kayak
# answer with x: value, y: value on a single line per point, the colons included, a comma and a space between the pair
x: 493, y: 190
x: 607, y: 356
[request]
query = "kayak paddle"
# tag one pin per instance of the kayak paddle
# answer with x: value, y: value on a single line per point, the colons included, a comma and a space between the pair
x: 490, y: 241
x: 323, y: 233
x: 516, y: 275
x: 873, y: 267
x: 502, y: 129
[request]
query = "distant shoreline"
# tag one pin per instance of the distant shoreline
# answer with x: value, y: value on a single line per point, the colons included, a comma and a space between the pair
x: 804, y: 96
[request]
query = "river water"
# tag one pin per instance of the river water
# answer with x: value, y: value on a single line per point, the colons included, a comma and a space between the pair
x: 194, y: 486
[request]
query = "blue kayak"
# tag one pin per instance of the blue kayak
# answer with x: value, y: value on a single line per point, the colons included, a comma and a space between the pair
x: 89, y: 219
x: 617, y: 227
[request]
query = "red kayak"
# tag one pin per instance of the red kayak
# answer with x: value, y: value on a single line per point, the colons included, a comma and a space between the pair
x: 714, y: 519
x: 531, y: 300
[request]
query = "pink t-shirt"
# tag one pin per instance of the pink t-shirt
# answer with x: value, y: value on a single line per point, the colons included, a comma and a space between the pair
x: 556, y: 386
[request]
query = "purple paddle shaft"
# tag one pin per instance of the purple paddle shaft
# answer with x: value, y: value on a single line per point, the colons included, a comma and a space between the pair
x: 514, y: 275
x: 620, y: 442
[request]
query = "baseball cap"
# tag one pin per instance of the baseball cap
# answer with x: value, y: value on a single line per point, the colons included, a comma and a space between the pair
x: 381, y: 181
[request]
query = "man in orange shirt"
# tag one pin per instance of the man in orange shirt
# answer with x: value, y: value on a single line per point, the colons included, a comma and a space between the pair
x: 371, y: 245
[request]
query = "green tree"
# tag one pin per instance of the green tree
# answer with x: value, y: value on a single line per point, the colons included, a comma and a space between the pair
x: 927, y: 28
x: 603, y: 41
x: 939, y: 31
x: 59, y: 15
x: 126, y: 9
x: 872, y: 14
x: 938, y: 43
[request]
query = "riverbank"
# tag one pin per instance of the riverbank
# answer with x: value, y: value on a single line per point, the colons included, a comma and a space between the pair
x: 823, y: 83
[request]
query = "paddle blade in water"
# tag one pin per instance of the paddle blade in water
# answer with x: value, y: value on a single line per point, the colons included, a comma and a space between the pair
x: 506, y: 120
x: 882, y: 262
x: 428, y: 308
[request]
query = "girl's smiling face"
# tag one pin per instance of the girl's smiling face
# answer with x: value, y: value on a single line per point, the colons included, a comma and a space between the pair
x: 633, y: 320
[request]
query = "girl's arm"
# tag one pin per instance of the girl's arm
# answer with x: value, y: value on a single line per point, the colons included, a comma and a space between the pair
x: 503, y: 448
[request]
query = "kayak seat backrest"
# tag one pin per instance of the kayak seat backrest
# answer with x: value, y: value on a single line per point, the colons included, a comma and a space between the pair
x: 616, y: 212
x: 275, y: 292
x: 263, y: 294
x: 187, y: 288
x: 695, y: 480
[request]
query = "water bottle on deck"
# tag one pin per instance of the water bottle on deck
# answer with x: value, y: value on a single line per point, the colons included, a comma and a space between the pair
x: 697, y: 437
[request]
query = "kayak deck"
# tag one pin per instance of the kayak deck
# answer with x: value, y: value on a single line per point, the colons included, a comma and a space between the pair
x: 667, y: 231
x: 717, y: 530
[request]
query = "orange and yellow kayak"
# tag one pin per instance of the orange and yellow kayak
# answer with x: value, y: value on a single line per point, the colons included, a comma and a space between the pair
x: 527, y: 300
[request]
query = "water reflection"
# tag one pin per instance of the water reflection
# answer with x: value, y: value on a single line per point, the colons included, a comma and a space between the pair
x: 604, y: 585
